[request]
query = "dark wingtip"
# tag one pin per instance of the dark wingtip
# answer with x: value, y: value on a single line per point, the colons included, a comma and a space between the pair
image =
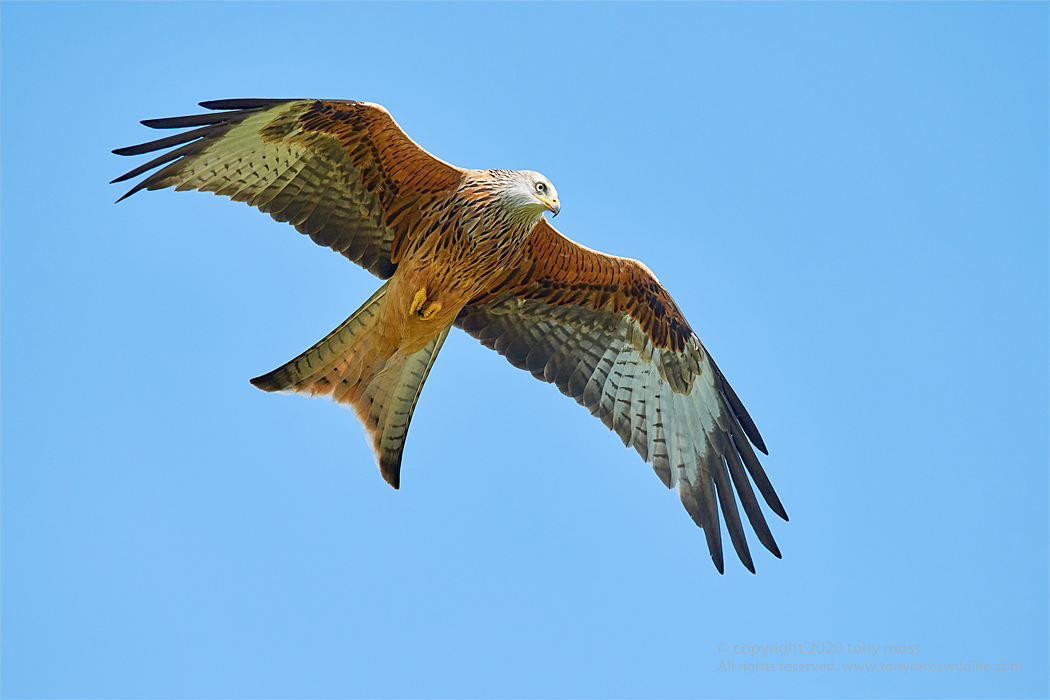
x: 392, y: 474
x: 389, y: 465
x: 267, y: 382
x: 243, y: 103
x: 737, y: 406
x: 130, y: 192
x: 745, y: 559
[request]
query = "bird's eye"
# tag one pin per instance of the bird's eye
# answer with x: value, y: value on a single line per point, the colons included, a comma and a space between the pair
x: 540, y: 187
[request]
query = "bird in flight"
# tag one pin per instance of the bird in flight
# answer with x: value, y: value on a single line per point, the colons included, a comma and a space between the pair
x: 471, y: 249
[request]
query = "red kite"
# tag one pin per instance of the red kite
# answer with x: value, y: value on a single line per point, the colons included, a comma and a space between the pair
x: 472, y: 249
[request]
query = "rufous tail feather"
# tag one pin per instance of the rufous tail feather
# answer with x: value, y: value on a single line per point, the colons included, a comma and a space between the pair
x: 351, y: 366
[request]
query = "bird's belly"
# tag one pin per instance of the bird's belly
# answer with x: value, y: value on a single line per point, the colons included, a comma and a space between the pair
x: 420, y: 304
x: 435, y: 281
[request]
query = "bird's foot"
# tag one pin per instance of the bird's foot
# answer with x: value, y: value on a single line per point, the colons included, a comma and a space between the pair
x: 418, y: 301
x: 431, y: 309
x: 421, y: 308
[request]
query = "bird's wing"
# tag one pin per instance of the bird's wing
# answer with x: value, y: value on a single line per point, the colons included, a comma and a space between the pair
x: 342, y: 172
x: 609, y: 335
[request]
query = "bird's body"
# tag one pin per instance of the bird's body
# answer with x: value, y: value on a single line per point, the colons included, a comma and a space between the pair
x: 471, y: 248
x: 461, y: 254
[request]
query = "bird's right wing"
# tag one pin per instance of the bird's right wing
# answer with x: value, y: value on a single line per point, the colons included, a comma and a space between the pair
x: 342, y: 172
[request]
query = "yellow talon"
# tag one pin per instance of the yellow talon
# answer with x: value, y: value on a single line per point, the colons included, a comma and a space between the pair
x: 431, y: 309
x: 419, y: 301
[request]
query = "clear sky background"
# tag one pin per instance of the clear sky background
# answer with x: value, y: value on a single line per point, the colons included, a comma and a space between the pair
x: 848, y: 201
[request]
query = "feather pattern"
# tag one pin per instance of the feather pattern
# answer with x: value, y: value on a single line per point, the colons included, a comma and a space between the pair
x: 471, y: 248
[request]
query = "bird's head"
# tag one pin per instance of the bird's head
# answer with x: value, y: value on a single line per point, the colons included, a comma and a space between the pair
x: 532, y: 193
x: 543, y: 190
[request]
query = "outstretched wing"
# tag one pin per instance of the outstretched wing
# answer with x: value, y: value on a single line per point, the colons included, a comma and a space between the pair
x: 609, y: 335
x: 342, y: 172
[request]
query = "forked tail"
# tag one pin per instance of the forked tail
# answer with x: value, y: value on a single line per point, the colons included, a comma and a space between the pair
x: 352, y: 366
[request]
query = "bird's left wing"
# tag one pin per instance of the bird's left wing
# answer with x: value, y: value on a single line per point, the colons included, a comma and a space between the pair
x: 607, y: 333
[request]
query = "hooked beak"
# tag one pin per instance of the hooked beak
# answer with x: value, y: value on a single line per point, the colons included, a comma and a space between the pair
x: 552, y: 204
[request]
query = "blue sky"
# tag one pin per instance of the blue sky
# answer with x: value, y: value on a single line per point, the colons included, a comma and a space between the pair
x: 848, y: 201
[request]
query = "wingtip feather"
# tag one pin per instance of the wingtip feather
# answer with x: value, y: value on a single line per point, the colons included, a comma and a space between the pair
x: 244, y: 103
x: 269, y: 381
x: 391, y: 471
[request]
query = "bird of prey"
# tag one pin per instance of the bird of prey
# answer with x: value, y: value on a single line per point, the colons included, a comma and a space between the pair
x: 471, y: 249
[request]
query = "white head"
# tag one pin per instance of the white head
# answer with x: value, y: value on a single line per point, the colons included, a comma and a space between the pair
x: 530, y: 192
